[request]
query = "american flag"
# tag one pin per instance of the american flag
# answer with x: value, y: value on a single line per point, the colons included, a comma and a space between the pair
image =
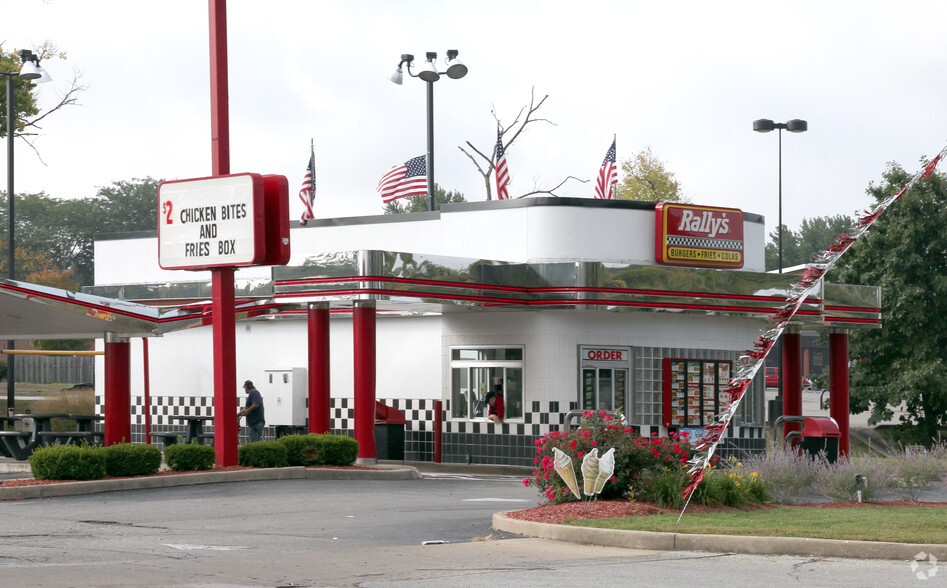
x: 607, y: 176
x: 307, y: 193
x: 407, y: 179
x: 502, y: 173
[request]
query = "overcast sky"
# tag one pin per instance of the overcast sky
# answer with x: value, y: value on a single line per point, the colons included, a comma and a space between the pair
x: 685, y: 78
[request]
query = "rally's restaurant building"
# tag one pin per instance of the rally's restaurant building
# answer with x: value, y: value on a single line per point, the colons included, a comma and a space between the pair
x: 568, y: 304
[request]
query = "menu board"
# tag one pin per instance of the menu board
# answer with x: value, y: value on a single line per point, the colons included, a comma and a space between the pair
x: 588, y: 389
x: 694, y: 391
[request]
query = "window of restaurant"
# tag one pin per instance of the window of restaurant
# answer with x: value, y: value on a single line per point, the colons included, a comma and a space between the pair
x: 478, y: 370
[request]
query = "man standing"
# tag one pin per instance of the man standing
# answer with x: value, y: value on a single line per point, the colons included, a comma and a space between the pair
x: 254, y: 412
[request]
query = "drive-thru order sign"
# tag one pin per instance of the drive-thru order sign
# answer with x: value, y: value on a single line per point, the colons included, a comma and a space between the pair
x: 216, y: 222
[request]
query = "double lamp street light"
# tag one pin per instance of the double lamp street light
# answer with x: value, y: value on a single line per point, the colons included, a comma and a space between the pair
x: 32, y: 72
x: 764, y: 125
x: 455, y: 70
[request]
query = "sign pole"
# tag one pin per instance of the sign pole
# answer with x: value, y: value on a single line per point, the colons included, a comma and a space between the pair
x: 226, y: 425
x: 222, y: 285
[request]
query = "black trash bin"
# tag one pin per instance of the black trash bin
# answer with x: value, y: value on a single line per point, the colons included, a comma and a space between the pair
x: 389, y: 432
x: 821, y: 434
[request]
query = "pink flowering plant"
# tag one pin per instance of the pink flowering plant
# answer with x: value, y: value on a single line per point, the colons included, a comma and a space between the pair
x: 634, y: 455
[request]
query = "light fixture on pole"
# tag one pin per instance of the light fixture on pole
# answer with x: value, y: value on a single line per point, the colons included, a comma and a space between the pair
x: 429, y: 74
x: 29, y: 71
x: 764, y: 125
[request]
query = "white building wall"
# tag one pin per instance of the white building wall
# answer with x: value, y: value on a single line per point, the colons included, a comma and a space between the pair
x: 552, y: 339
x: 181, y: 363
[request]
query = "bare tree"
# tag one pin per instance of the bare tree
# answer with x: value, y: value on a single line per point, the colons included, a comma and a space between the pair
x: 30, y: 127
x: 485, y: 163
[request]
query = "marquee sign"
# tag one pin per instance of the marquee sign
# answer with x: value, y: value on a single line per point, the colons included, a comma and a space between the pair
x: 223, y: 221
x: 698, y: 236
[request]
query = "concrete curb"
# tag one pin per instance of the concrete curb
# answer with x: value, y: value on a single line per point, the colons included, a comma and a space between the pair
x: 144, y: 482
x: 717, y: 543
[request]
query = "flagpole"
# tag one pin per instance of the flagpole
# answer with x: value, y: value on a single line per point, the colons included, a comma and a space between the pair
x: 312, y: 179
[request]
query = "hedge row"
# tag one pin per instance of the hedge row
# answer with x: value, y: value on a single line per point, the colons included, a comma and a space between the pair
x: 88, y: 462
x: 299, y: 450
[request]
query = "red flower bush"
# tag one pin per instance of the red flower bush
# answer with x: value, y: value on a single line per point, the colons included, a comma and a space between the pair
x: 633, y: 454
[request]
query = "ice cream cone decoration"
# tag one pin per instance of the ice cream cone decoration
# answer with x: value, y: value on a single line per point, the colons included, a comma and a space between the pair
x: 590, y: 465
x: 563, y: 465
x: 606, y: 467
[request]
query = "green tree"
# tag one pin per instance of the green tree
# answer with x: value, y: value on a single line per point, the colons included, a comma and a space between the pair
x: 905, y: 252
x: 128, y: 205
x: 422, y: 203
x: 26, y: 111
x: 24, y: 102
x: 645, y: 178
x: 62, y: 231
x: 26, y: 261
x: 808, y: 243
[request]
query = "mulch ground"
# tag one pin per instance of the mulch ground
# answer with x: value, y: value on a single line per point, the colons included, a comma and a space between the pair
x: 609, y: 509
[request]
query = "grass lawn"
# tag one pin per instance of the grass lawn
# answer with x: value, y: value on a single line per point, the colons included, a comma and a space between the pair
x: 901, y: 524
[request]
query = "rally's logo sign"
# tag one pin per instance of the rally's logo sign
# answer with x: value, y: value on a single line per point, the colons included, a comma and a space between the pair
x: 699, y: 236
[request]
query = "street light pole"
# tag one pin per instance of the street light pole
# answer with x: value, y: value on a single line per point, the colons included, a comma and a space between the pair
x: 429, y: 74
x: 430, y: 144
x: 11, y: 128
x: 780, y: 237
x: 764, y: 125
x: 11, y: 363
x: 30, y: 70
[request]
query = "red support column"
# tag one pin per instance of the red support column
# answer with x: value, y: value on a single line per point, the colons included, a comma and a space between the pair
x: 118, y: 401
x: 838, y: 386
x: 146, y: 401
x: 219, y: 91
x: 438, y: 430
x: 226, y: 425
x: 792, y: 379
x: 319, y: 396
x: 363, y: 325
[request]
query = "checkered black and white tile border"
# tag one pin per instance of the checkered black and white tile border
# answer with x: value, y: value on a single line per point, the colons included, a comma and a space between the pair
x: 464, y: 441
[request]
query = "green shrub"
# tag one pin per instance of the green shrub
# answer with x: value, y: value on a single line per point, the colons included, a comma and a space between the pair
x: 68, y: 462
x: 314, y: 449
x: 663, y: 487
x: 263, y: 454
x: 183, y: 457
x: 634, y: 455
x: 732, y: 486
x: 304, y: 450
x: 340, y: 450
x: 131, y: 459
